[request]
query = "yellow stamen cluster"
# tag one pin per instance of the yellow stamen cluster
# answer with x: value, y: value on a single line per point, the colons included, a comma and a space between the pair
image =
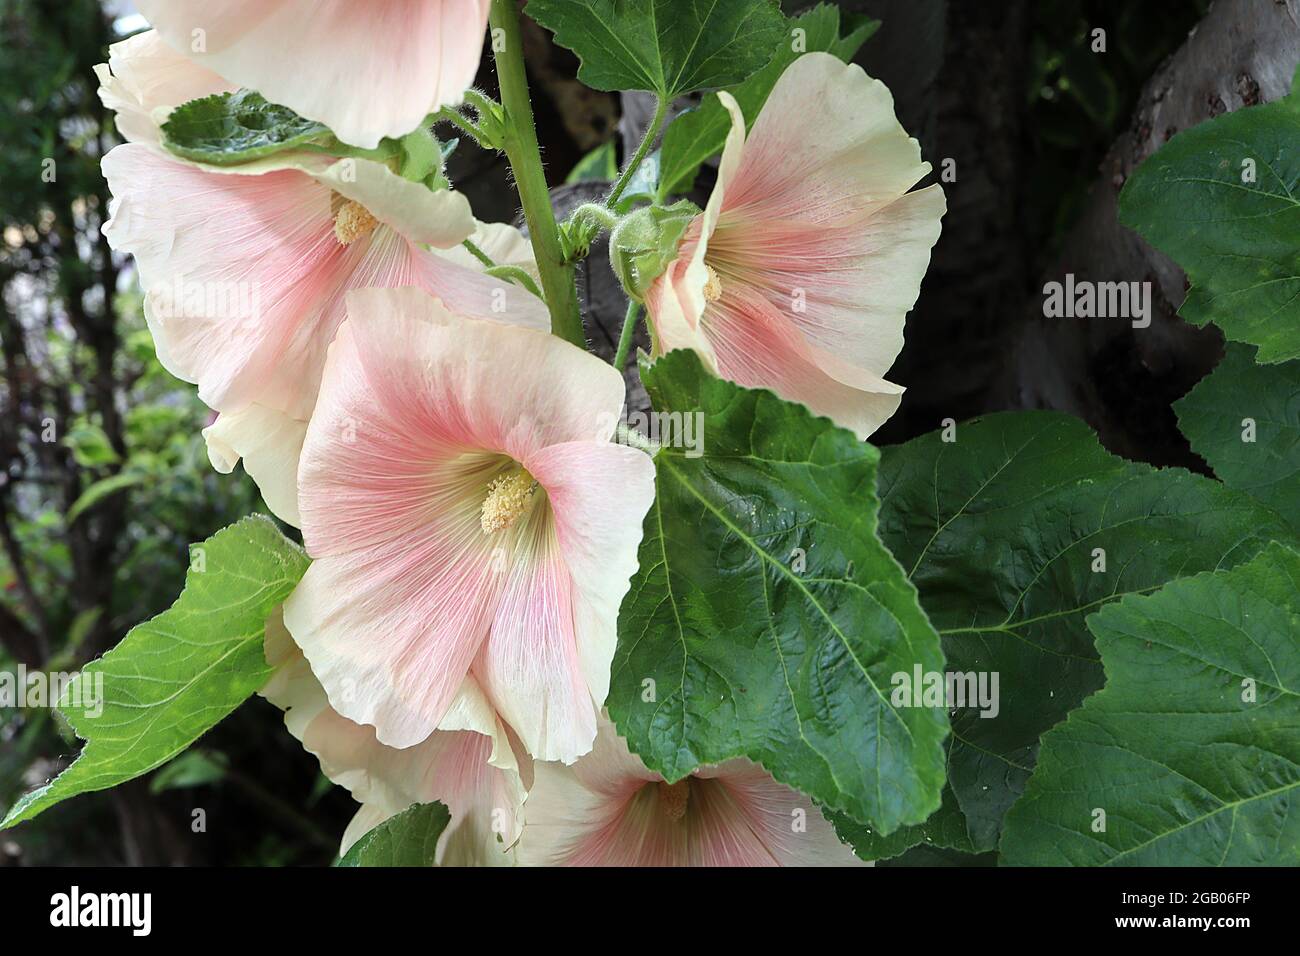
x: 352, y: 222
x: 507, y: 499
x: 673, y: 797
x: 712, y: 285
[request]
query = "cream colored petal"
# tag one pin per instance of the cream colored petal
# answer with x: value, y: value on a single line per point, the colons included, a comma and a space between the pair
x: 365, y: 69
x: 144, y: 79
x: 484, y: 793
x: 269, y: 442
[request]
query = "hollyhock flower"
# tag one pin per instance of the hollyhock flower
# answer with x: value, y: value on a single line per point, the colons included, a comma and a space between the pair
x: 245, y: 267
x: 609, y: 810
x: 468, y: 523
x: 799, y: 273
x: 365, y: 69
x: 269, y: 442
x: 470, y: 766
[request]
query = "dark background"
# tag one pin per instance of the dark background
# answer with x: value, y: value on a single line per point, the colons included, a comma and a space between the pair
x: 1043, y: 131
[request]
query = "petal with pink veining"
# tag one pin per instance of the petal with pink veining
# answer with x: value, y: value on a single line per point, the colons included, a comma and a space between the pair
x: 365, y: 68
x: 421, y: 414
x: 756, y: 348
x: 800, y: 271
x: 609, y: 810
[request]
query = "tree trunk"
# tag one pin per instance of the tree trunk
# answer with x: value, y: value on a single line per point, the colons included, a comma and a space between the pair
x: 1119, y: 379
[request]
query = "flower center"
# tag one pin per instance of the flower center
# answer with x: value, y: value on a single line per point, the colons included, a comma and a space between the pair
x: 352, y: 222
x: 712, y: 285
x: 508, y: 497
x: 673, y: 797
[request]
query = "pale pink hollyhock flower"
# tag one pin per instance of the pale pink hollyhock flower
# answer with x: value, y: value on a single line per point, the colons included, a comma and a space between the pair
x: 609, y: 810
x: 470, y: 767
x: 800, y: 271
x: 245, y: 268
x: 365, y: 68
x: 469, y: 522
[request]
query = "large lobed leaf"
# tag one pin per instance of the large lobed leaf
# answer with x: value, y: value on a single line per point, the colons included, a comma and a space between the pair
x: 1236, y: 238
x: 1192, y: 750
x: 998, y: 531
x: 1213, y: 417
x: 700, y: 133
x: 668, y: 47
x: 174, y: 677
x: 751, y: 650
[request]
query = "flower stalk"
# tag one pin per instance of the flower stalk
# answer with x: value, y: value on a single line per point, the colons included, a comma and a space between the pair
x: 525, y: 158
x: 661, y: 109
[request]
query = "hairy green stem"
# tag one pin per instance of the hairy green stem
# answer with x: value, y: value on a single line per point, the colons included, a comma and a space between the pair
x: 626, y: 435
x: 526, y: 163
x: 517, y: 276
x: 510, y: 273
x: 465, y: 125
x: 661, y: 108
x: 478, y: 254
x: 594, y: 213
x: 625, y: 337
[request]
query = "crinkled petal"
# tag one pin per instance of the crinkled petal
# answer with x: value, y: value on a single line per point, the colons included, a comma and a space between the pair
x: 145, y: 78
x: 269, y: 442
x: 484, y: 384
x: 232, y: 266
x: 475, y: 773
x: 366, y: 69
x: 246, y: 280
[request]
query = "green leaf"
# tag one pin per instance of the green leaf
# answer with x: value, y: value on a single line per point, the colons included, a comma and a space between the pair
x: 229, y: 128
x: 999, y: 531
x: 766, y: 612
x: 1223, y: 200
x: 1213, y: 417
x: 194, y: 768
x: 408, y: 839
x: 1191, y: 749
x: 945, y: 828
x: 932, y: 856
x: 102, y: 489
x: 599, y: 165
x: 667, y: 47
x: 174, y: 677
x: 700, y: 133
x: 90, y: 446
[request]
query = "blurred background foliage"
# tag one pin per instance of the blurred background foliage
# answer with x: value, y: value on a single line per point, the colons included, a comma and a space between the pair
x: 105, y: 481
x: 105, y: 478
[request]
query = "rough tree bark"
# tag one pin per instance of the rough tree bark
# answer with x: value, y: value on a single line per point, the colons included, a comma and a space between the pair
x: 1119, y: 379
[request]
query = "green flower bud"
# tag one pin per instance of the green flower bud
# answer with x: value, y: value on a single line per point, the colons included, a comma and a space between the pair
x: 645, y: 241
